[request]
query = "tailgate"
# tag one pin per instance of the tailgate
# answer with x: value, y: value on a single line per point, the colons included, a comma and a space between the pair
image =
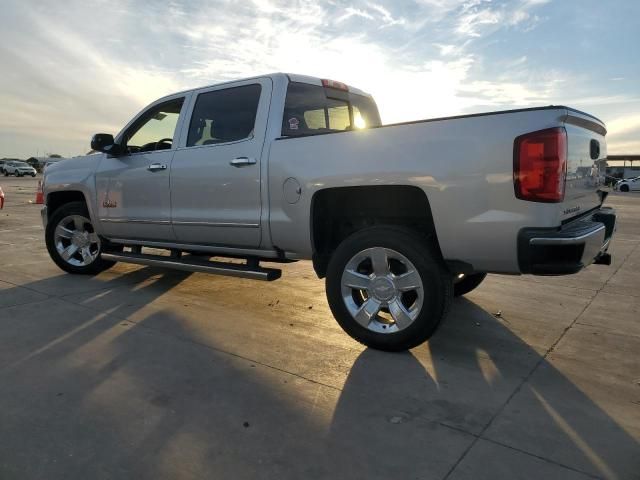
x: 586, y: 163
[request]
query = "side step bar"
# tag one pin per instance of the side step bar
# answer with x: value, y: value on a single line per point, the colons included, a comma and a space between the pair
x: 190, y: 264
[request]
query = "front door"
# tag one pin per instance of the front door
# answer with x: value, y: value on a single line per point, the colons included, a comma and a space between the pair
x: 215, y: 173
x: 134, y: 200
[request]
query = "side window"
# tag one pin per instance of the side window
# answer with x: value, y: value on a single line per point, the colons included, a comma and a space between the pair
x: 156, y: 128
x: 224, y: 116
x: 312, y: 110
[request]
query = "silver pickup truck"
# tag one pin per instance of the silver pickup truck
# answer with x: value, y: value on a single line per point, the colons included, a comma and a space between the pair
x: 398, y: 218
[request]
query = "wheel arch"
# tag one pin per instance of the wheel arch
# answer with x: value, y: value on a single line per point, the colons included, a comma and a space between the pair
x: 58, y: 198
x: 339, y: 212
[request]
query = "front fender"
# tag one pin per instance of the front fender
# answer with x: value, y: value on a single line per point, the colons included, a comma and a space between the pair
x: 74, y: 175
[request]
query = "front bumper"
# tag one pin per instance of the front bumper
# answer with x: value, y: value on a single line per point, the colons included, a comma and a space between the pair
x: 569, y: 248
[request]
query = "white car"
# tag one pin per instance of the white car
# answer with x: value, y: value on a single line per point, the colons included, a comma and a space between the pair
x: 628, y: 185
x: 19, y: 169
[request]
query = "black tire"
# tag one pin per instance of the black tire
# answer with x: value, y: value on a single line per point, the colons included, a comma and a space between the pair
x: 624, y: 188
x: 72, y: 208
x: 436, y: 280
x: 33, y: 175
x: 467, y: 283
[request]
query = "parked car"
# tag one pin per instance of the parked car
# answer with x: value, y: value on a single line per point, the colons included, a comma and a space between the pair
x: 1, y: 199
x: 398, y: 218
x: 19, y: 169
x: 2, y: 163
x: 628, y: 185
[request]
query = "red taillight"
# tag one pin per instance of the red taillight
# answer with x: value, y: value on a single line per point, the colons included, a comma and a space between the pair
x: 333, y: 84
x: 540, y: 165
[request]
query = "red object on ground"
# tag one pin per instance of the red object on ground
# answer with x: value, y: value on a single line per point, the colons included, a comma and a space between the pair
x: 1, y: 199
x: 39, y: 194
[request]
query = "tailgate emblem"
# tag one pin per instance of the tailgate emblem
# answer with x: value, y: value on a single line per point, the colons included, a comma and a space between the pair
x: 567, y: 211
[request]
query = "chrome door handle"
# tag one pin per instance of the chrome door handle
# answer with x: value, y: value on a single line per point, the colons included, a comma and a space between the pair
x: 154, y: 167
x: 242, y: 161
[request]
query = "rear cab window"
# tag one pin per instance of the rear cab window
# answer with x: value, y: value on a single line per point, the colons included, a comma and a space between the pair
x: 315, y: 110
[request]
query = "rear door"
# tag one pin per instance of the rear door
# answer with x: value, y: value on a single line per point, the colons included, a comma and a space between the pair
x: 215, y: 173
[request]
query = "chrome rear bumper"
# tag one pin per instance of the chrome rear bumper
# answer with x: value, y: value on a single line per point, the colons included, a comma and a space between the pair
x: 569, y: 248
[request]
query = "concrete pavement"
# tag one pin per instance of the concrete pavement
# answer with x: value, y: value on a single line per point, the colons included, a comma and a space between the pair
x: 145, y: 373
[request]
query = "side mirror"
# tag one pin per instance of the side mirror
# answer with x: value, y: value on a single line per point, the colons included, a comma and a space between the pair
x: 104, y: 142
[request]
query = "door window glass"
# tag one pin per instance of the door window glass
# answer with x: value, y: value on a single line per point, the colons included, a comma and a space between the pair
x: 156, y: 128
x: 224, y: 115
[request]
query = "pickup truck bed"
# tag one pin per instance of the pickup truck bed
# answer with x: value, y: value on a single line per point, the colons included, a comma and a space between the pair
x: 459, y: 162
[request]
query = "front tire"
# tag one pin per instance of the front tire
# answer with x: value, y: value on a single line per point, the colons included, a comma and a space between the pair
x: 465, y: 283
x: 388, y: 288
x: 624, y: 188
x: 72, y: 241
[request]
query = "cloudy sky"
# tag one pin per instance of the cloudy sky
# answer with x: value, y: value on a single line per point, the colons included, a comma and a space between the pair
x: 70, y: 69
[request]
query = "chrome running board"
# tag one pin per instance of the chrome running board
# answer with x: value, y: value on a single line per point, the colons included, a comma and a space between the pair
x: 188, y: 263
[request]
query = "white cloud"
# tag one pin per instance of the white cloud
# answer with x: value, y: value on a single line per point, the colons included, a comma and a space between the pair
x: 472, y: 22
x: 94, y: 77
x: 354, y: 12
x: 624, y: 125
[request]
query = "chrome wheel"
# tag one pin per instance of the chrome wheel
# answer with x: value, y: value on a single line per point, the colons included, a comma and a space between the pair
x: 382, y: 290
x: 76, y: 241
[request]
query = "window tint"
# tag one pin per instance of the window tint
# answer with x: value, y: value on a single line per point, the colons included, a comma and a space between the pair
x: 224, y: 115
x: 309, y: 111
x: 159, y: 123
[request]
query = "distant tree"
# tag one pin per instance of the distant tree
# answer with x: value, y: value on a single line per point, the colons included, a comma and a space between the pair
x: 54, y: 155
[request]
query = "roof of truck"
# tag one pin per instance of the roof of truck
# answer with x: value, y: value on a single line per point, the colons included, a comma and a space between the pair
x: 292, y: 77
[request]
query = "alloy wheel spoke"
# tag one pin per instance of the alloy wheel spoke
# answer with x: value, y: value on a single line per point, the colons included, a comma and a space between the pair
x: 93, y: 237
x: 367, y: 311
x: 400, y: 314
x: 380, y: 261
x: 86, y: 255
x: 408, y: 281
x: 69, y: 252
x: 356, y: 280
x: 63, y: 232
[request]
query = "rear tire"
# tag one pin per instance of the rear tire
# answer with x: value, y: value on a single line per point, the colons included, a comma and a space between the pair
x: 624, y: 188
x: 467, y: 283
x: 72, y: 242
x: 402, y: 288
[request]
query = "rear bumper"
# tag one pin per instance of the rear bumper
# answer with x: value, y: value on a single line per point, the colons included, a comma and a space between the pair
x: 569, y: 248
